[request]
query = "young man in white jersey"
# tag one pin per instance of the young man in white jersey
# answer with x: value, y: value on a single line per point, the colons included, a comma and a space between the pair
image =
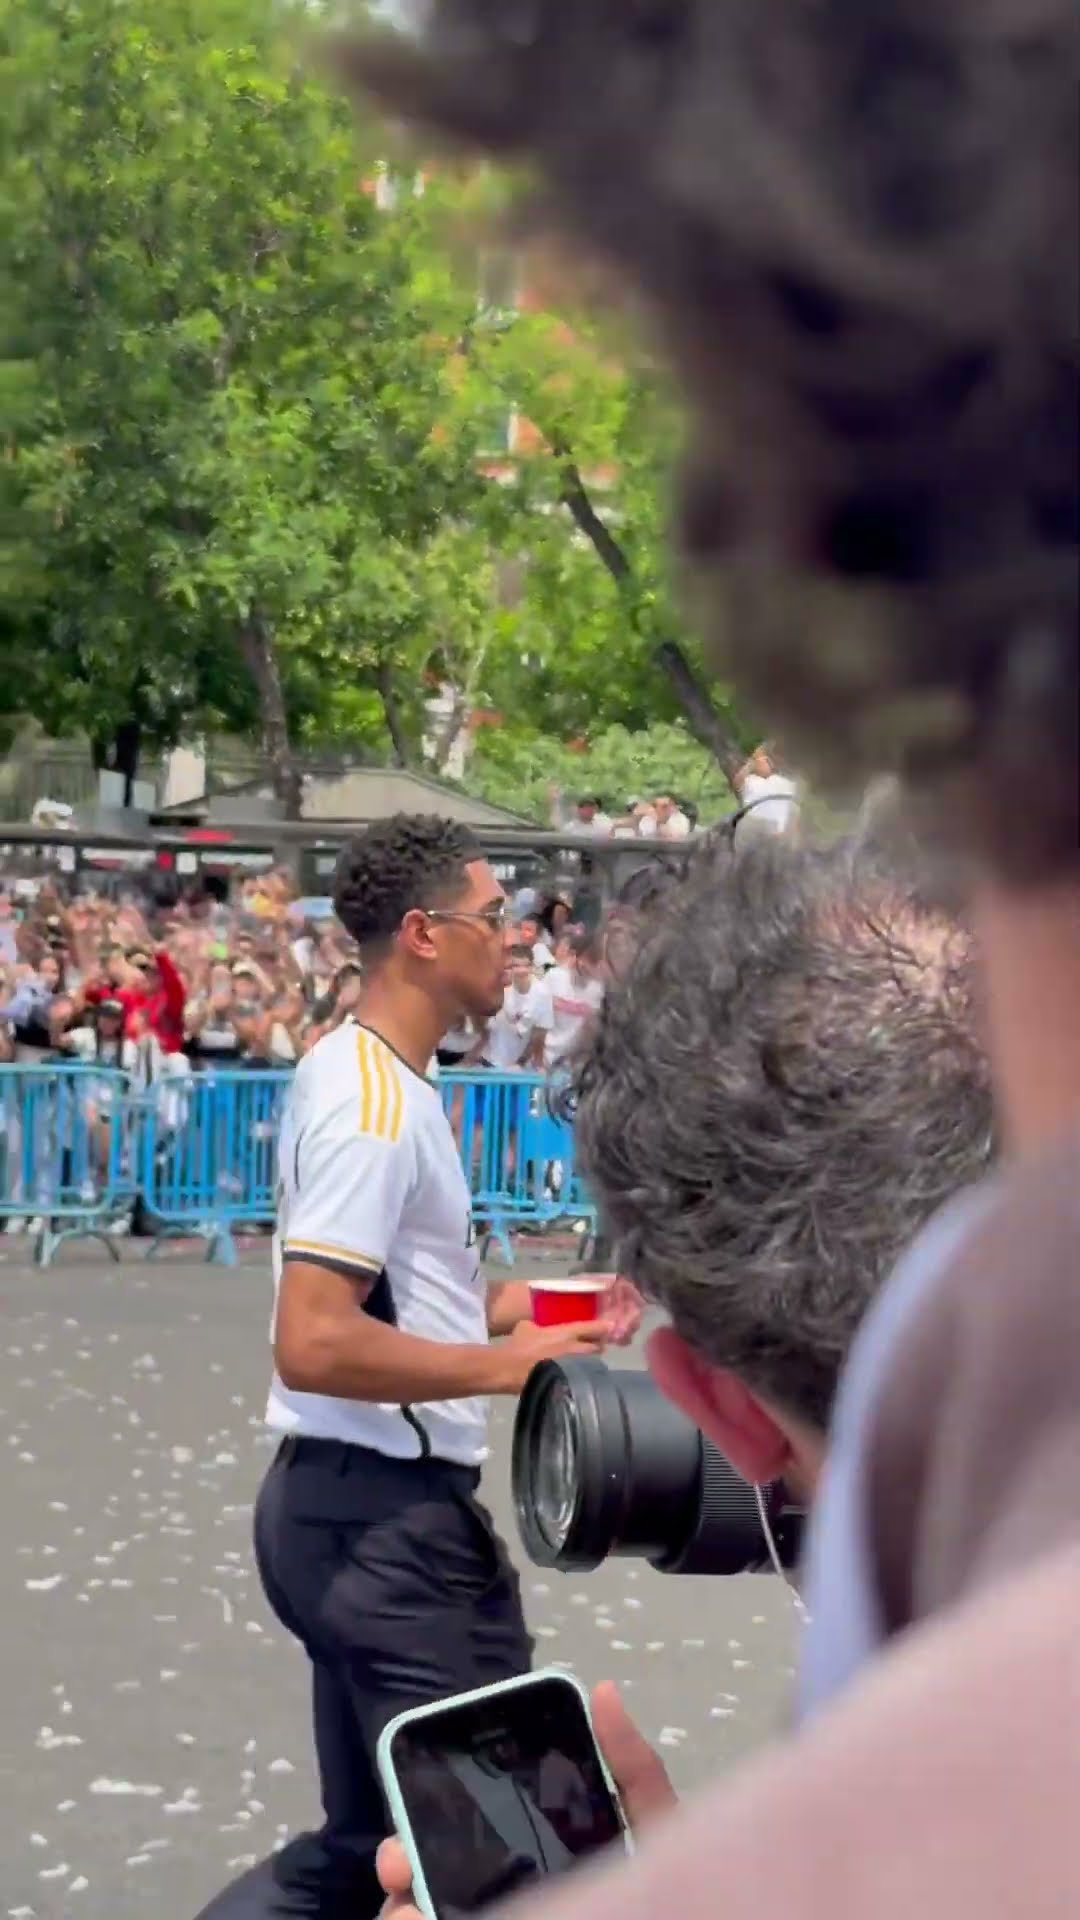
x: 371, y: 1544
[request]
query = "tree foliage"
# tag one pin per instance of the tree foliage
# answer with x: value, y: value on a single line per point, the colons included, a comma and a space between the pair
x: 601, y: 634
x: 517, y: 767
x: 245, y: 413
x: 237, y: 434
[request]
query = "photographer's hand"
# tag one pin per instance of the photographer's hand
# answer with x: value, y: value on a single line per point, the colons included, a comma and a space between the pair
x: 638, y: 1772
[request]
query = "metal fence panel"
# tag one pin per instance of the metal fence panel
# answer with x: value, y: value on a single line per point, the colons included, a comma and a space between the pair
x: 80, y: 1145
x: 68, y: 1150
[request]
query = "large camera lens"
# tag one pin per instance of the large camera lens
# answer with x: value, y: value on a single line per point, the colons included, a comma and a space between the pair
x: 604, y: 1464
x: 556, y: 1469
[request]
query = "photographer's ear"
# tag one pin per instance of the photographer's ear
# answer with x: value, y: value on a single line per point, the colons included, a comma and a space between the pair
x: 722, y: 1407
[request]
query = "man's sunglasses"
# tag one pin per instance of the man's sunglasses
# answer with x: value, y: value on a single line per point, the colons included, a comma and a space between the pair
x: 496, y: 916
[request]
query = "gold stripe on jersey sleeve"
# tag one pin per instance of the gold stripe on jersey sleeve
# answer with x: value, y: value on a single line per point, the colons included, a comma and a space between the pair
x: 346, y: 1254
x: 382, y: 1099
x: 367, y: 1083
x: 382, y: 1086
x: 397, y: 1103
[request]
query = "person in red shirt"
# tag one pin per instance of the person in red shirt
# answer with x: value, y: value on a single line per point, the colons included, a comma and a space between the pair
x: 160, y: 997
x: 117, y: 981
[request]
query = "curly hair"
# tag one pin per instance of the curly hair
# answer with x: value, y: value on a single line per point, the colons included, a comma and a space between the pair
x: 407, y: 860
x: 856, y: 225
x: 783, y: 1085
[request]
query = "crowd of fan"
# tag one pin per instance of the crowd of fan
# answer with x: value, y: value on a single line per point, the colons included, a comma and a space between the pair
x: 763, y: 789
x: 251, y: 976
x: 199, y: 980
x: 250, y: 981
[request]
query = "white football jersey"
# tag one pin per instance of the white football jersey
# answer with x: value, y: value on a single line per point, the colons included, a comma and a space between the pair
x: 371, y: 1184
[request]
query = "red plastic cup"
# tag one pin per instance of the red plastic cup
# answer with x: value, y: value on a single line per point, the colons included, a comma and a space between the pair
x: 562, y: 1303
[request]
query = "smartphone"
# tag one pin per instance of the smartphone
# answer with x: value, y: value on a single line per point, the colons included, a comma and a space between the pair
x: 494, y: 1791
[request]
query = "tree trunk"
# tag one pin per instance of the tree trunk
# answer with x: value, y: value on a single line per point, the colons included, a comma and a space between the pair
x: 120, y: 755
x: 257, y: 648
x: 706, y: 724
x: 395, y: 726
x: 445, y: 738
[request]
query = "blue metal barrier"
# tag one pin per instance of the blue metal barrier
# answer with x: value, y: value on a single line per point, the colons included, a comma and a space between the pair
x: 208, y: 1157
x: 80, y: 1145
x: 517, y: 1153
x: 67, y: 1152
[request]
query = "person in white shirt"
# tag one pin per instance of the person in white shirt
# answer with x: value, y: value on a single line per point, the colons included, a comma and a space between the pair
x: 768, y: 798
x: 371, y: 1545
x: 517, y: 1034
x: 664, y: 820
x: 455, y: 1047
x: 588, y: 816
x: 577, y: 993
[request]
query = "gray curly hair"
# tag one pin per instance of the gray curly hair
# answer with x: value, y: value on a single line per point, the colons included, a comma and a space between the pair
x: 784, y: 1083
x: 856, y: 223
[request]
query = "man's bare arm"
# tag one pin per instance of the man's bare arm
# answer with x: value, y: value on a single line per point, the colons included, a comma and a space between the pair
x: 324, y: 1342
x: 508, y: 1304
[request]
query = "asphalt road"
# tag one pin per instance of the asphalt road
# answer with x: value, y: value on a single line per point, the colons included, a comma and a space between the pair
x: 153, y: 1728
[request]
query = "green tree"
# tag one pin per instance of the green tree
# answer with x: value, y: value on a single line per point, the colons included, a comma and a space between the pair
x: 517, y: 767
x: 601, y: 640
x: 237, y: 443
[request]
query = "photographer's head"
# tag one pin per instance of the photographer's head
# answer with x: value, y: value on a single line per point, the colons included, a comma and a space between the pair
x: 785, y: 1082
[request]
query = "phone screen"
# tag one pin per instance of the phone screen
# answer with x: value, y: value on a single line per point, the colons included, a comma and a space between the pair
x: 503, y: 1792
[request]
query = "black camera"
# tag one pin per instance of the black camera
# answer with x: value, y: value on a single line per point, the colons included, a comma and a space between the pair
x: 604, y: 1464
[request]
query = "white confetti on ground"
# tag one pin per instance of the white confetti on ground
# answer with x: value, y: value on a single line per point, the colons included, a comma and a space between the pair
x: 188, y: 1802
x: 125, y: 1787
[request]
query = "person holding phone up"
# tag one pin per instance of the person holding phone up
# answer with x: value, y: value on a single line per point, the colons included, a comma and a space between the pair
x: 372, y: 1547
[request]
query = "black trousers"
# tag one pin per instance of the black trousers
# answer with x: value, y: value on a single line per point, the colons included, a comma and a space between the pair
x: 391, y: 1575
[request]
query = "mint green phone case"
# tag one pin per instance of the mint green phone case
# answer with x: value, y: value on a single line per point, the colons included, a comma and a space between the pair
x: 384, y: 1758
